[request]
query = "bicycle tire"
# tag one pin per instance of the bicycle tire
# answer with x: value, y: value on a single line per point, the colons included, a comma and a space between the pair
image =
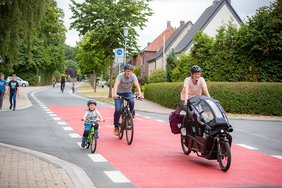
x: 129, y: 128
x: 184, y: 145
x: 224, y: 155
x: 93, y: 144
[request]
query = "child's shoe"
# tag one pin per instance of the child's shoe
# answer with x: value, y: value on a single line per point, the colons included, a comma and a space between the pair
x: 83, y: 144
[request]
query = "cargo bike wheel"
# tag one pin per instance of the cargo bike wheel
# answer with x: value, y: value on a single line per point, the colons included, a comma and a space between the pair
x: 224, y: 155
x: 184, y: 144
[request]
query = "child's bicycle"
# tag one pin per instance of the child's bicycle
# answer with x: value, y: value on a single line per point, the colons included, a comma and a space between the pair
x: 93, y: 135
x: 126, y: 121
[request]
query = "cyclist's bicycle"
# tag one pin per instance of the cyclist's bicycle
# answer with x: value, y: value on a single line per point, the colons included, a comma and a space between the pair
x: 73, y: 87
x: 93, y: 135
x: 62, y: 87
x: 126, y: 120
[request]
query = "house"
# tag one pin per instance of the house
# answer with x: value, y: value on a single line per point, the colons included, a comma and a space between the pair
x: 219, y: 13
x: 142, y: 58
x: 159, y: 60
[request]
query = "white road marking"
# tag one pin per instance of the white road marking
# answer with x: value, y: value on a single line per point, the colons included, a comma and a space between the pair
x: 49, y: 112
x: 52, y: 115
x: 74, y: 135
x: 62, y: 123
x: 44, y: 107
x: 248, y: 147
x: 67, y: 128
x: 97, y: 158
x: 116, y: 176
x: 162, y: 121
x: 47, y: 109
x: 56, y: 118
x: 277, y: 156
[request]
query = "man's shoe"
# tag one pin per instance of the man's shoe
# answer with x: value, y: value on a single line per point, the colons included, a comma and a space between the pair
x: 116, y: 131
x: 14, y: 109
x: 11, y: 107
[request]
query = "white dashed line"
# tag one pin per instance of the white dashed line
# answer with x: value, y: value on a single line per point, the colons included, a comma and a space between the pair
x: 44, y: 107
x: 246, y: 146
x: 52, y: 115
x: 277, y: 156
x: 116, y: 176
x: 67, y: 128
x: 61, y: 123
x: 56, y: 118
x: 74, y: 135
x: 97, y: 158
x: 162, y: 121
x: 49, y: 112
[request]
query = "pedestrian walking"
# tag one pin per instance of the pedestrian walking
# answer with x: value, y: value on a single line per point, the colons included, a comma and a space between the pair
x: 2, y: 88
x: 14, y: 91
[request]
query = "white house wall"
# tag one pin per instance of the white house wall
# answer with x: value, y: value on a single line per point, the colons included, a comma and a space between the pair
x: 222, y: 17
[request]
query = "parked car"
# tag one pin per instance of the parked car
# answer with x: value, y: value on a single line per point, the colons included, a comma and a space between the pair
x: 21, y: 82
x: 101, y: 83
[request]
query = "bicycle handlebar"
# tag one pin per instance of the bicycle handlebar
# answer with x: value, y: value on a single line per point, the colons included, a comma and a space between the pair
x: 127, y: 98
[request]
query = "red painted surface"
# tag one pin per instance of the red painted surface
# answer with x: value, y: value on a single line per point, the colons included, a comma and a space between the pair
x: 155, y: 158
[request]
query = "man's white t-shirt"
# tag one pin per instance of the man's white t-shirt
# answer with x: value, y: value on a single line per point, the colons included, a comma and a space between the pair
x: 193, y: 89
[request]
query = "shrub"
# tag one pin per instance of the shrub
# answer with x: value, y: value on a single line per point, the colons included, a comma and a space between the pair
x: 235, y: 97
x: 157, y: 76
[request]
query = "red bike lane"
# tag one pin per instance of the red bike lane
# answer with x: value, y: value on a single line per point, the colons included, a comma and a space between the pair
x: 155, y: 158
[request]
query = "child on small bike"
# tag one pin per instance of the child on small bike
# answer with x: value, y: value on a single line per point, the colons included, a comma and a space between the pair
x: 91, y: 114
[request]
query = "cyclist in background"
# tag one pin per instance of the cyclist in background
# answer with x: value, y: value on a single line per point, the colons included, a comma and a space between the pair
x: 63, y: 82
x: 123, y: 87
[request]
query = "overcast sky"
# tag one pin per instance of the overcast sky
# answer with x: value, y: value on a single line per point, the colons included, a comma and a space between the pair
x: 168, y: 10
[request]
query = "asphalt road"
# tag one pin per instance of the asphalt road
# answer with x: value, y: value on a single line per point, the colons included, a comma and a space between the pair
x: 34, y: 128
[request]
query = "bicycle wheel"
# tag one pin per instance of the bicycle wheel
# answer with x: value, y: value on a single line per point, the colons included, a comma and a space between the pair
x: 224, y: 155
x: 129, y: 128
x: 184, y: 145
x: 93, y: 144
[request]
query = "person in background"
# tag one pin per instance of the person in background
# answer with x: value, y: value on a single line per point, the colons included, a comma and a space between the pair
x: 2, y: 89
x: 13, y: 91
x: 63, y: 82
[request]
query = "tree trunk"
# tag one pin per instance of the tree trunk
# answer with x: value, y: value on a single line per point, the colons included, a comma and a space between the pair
x: 111, y: 74
x: 94, y: 80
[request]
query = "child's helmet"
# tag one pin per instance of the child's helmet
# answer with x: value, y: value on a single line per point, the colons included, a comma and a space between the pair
x: 91, y: 101
x: 128, y: 67
x: 195, y: 68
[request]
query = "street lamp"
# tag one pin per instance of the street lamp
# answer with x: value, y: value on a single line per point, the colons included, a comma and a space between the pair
x: 125, y: 34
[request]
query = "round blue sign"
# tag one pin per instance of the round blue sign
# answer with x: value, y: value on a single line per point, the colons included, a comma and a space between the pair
x: 119, y: 51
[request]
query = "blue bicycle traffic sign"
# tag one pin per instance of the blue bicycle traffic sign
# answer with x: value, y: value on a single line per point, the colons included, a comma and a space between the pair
x: 119, y: 52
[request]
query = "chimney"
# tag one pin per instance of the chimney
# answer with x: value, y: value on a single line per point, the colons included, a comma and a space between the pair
x: 182, y: 23
x: 214, y: 3
x: 229, y: 1
x: 148, y: 44
x: 168, y: 24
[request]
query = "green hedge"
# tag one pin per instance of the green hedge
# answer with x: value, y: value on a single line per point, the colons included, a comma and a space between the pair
x: 235, y: 97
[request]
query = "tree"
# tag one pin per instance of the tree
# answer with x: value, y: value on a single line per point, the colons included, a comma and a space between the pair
x: 18, y: 20
x: 105, y: 20
x: 260, y: 40
x: 171, y: 64
x: 90, y: 61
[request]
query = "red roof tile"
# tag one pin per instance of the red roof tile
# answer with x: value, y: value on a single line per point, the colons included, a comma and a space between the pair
x: 158, y: 42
